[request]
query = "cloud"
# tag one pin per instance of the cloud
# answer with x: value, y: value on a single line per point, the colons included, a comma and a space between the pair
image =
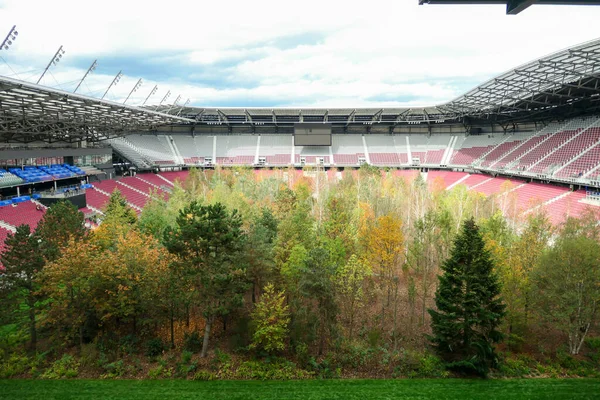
x: 383, y: 53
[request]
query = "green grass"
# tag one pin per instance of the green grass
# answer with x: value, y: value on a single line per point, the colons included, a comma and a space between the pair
x: 314, y: 389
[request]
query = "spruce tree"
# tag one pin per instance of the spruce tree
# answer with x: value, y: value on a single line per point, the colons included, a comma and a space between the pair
x: 468, y: 308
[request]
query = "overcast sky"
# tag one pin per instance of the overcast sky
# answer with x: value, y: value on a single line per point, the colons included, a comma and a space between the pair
x: 275, y: 53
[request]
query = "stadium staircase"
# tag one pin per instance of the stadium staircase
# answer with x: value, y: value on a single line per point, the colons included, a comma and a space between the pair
x: 458, y: 182
x: 175, y: 150
x: 483, y: 181
x: 130, y: 152
x: 449, y: 149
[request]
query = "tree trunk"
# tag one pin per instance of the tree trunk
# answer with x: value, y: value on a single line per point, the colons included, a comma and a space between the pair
x: 32, y: 327
x: 254, y: 292
x: 172, y: 322
x: 209, y: 322
x: 80, y: 337
x: 187, y: 315
x: 396, y: 317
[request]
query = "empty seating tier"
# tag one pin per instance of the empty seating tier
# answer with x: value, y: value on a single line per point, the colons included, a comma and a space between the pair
x: 26, y: 212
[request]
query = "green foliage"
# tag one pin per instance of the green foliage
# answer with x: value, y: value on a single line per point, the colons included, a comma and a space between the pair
x: 208, y: 241
x: 278, y: 369
x: 160, y: 371
x: 203, y: 375
x: 65, y: 367
x: 567, y: 282
x: 89, y: 355
x: 23, y: 262
x: 16, y: 365
x: 61, y: 222
x: 516, y: 367
x: 593, y: 346
x: 465, y: 323
x: 192, y: 342
x: 114, y: 369
x: 154, y: 347
x: 324, y: 369
x: 271, y: 319
x: 128, y: 344
x: 186, y: 366
x: 420, y: 365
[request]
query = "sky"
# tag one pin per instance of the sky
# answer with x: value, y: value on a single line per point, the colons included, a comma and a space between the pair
x: 377, y: 53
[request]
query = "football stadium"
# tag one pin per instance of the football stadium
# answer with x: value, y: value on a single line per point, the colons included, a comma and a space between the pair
x: 173, y: 240
x: 536, y: 126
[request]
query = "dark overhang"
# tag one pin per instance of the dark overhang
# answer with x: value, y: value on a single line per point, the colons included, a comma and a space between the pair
x: 513, y: 6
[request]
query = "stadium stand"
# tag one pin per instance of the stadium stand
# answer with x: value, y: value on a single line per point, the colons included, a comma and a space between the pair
x: 146, y: 150
x: 9, y: 179
x: 154, y: 180
x: 347, y: 149
x: 96, y: 199
x: 236, y: 149
x: 472, y: 148
x: 276, y: 149
x: 25, y: 212
x: 535, y: 194
x: 172, y: 176
x: 382, y: 151
x: 448, y: 178
x: 496, y: 185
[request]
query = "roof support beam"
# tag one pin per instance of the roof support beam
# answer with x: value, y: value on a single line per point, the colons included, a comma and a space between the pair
x: 514, y: 7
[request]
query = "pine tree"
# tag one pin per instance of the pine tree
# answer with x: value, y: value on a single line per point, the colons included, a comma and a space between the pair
x: 468, y: 308
x: 208, y: 241
x: 61, y: 222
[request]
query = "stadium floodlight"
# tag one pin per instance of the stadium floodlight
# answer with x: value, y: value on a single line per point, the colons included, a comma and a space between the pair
x: 174, y: 103
x: 114, y: 82
x: 183, y: 106
x: 154, y: 89
x: 135, y: 88
x: 89, y: 71
x: 55, y: 60
x: 165, y: 98
x: 10, y: 38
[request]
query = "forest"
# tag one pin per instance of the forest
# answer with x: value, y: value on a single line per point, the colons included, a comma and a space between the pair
x: 288, y: 274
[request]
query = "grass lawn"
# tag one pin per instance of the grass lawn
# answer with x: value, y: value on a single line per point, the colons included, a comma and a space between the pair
x: 315, y: 389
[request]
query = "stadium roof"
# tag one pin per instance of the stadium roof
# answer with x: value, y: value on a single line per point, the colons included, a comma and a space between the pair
x: 561, y: 85
x: 513, y: 6
x: 30, y: 112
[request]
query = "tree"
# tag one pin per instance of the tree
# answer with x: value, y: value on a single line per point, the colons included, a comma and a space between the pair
x: 566, y: 284
x: 208, y: 241
x: 317, y: 283
x: 469, y: 311
x: 384, y: 247
x: 23, y: 262
x: 71, y: 281
x: 119, y: 218
x: 271, y: 319
x: 60, y: 222
x: 132, y: 276
x: 351, y: 284
x: 118, y: 208
x: 259, y: 249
